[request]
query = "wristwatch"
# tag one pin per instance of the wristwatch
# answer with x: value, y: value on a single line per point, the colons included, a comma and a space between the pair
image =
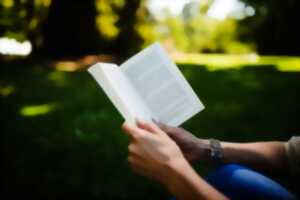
x: 216, y: 151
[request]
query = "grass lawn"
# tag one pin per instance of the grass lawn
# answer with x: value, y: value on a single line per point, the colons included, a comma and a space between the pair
x: 61, y: 136
x: 224, y: 61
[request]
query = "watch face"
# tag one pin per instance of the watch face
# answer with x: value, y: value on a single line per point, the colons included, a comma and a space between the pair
x: 216, y: 152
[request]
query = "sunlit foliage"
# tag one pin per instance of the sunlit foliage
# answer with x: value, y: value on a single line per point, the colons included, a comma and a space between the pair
x: 22, y: 19
x: 132, y: 24
x: 190, y: 31
x: 201, y: 33
x: 107, y: 17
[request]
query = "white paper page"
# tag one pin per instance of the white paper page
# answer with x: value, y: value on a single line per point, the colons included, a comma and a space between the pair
x: 120, y: 92
x: 162, y: 86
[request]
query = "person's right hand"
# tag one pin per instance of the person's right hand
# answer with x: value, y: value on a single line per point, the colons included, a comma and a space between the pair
x: 152, y: 153
x: 193, y: 148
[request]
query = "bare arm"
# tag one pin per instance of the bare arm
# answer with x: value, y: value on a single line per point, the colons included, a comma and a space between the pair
x: 152, y: 153
x: 184, y: 183
x: 264, y: 156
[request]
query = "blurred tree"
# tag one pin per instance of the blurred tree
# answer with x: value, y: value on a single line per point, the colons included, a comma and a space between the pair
x: 63, y: 29
x: 117, y: 21
x: 22, y: 19
x: 85, y: 27
x: 60, y: 28
x: 274, y: 26
x: 145, y: 25
x: 195, y: 31
x: 128, y: 40
x: 70, y: 29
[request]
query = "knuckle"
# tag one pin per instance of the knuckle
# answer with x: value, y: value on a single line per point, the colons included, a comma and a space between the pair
x: 131, y: 148
x: 130, y: 159
x: 124, y: 127
x: 139, y: 136
x: 153, y: 126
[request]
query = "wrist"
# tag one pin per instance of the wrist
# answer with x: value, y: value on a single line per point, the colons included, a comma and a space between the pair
x: 177, y: 171
x: 185, y: 183
x: 210, y: 150
x: 203, y: 150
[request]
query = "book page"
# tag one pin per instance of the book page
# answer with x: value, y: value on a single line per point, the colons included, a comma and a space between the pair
x: 120, y: 92
x: 162, y: 86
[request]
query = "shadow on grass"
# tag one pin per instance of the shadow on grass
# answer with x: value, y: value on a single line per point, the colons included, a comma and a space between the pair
x: 75, y: 149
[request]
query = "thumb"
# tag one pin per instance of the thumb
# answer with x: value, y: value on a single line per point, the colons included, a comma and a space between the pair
x: 150, y: 127
x: 132, y: 131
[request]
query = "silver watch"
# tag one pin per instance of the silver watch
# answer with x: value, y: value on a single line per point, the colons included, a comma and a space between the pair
x: 216, y: 151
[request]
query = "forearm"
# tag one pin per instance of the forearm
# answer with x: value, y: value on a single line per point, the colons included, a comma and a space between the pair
x: 184, y: 183
x: 259, y: 155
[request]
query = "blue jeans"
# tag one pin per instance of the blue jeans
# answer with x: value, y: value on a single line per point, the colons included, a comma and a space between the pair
x: 238, y: 182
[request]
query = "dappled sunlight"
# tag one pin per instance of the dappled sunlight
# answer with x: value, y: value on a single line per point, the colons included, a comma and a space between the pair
x: 35, y: 110
x: 221, y: 9
x: 211, y: 61
x: 10, y: 46
x: 7, y: 3
x: 283, y: 63
x: 67, y: 66
x: 7, y: 90
x: 217, y: 61
x: 72, y: 65
x: 57, y: 77
x: 231, y: 61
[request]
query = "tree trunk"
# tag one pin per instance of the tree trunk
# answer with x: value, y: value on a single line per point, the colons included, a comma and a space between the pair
x: 70, y: 29
x: 128, y: 40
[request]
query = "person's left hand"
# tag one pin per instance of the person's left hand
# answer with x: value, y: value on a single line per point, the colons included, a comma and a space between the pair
x: 152, y: 153
x: 193, y: 148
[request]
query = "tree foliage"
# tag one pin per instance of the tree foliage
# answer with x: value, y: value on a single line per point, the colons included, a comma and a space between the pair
x: 274, y: 28
x: 59, y: 28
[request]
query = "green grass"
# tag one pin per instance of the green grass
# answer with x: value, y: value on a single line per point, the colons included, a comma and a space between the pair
x: 224, y: 61
x: 62, y: 138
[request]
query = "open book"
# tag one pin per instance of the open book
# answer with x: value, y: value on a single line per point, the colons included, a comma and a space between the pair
x: 148, y: 86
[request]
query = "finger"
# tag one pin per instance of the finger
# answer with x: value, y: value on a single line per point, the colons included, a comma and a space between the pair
x: 132, y: 131
x: 131, y: 148
x: 134, y: 161
x: 134, y: 150
x: 125, y: 130
x: 148, y: 126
